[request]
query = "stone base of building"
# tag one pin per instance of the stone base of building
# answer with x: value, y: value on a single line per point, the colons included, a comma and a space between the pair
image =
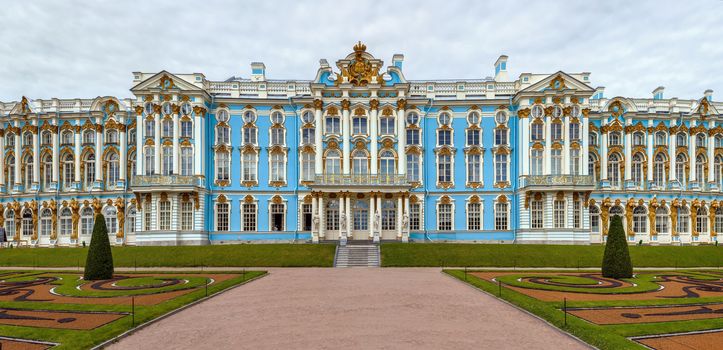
x: 552, y: 237
x: 159, y: 238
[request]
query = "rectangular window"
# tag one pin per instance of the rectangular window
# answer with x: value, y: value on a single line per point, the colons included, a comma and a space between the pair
x: 186, y: 216
x: 186, y: 161
x: 474, y: 216
x: 278, y: 167
x: 444, y: 215
x: 473, y: 138
x: 474, y: 168
x: 164, y: 215
x: 386, y: 125
x: 556, y: 130
x: 249, y: 135
x: 222, y: 214
x: 167, y: 160
x: 556, y: 162
x: 444, y: 137
x: 415, y: 217
x: 413, y: 137
x: 444, y: 168
x: 249, y: 167
x: 277, y: 136
x: 333, y: 125
x: 147, y: 220
x: 222, y: 166
x: 359, y: 125
x: 308, y: 136
x: 558, y: 214
x: 500, y: 167
x: 332, y: 217
x: 413, y: 171
x: 500, y: 137
x: 249, y: 217
x: 501, y: 220
x: 306, y: 217
x: 577, y: 214
x: 536, y: 214
x: 575, y: 162
x: 186, y: 128
x: 574, y: 131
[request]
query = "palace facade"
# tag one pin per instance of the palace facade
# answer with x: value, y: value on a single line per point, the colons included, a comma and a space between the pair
x: 361, y: 153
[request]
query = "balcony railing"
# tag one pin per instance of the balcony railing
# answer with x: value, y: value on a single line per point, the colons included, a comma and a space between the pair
x: 167, y: 180
x: 364, y: 180
x: 556, y: 180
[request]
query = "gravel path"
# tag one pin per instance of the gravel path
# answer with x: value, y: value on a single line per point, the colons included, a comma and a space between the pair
x: 353, y: 309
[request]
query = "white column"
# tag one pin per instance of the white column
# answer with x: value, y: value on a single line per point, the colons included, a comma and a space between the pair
x: 524, y: 156
x: 650, y: 155
x: 711, y: 156
x: 627, y: 137
x: 566, y: 147
x: 318, y: 131
x: 140, y: 139
x: 314, y: 213
x: 98, y: 155
x: 18, y: 156
x: 77, y: 155
x: 36, y: 157
x: 548, y: 147
x: 585, y: 151
x: 2, y: 159
x: 691, y: 156
x: 123, y: 154
x: 401, y: 138
x: 374, y: 137
x: 347, y: 207
x: 346, y: 142
x: 671, y: 154
x: 342, y: 212
x: 176, y: 147
x: 157, y: 160
x: 372, y: 210
x: 56, y: 156
x: 379, y: 209
x: 604, y: 157
x: 322, y: 223
x: 399, y: 216
x: 198, y: 147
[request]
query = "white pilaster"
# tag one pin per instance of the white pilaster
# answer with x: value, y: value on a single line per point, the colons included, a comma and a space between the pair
x: 691, y: 156
x: 604, y: 157
x: 346, y: 141
x: 547, y: 168
x: 198, y: 148
x: 56, y: 157
x: 18, y: 156
x: 157, y: 160
x: 176, y: 147
x: 628, y: 151
x: 566, y: 147
x: 400, y: 208
x: 318, y: 132
x: 123, y: 154
x: 374, y: 138
x: 401, y: 140
x: 671, y: 154
x: 650, y: 154
x: 711, y: 156
x: 322, y: 222
x: 36, y: 157
x: 2, y: 160
x: 585, y: 151
x: 347, y: 207
x: 98, y: 155
x: 524, y: 156
x: 77, y: 155
x: 372, y: 210
x: 140, y: 139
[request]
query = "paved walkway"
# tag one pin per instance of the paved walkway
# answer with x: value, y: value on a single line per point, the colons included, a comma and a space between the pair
x: 353, y: 309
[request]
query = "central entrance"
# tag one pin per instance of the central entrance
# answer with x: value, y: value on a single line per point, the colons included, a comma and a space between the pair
x: 360, y: 215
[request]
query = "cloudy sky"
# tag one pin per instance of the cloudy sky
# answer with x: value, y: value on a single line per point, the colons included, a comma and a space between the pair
x: 70, y: 49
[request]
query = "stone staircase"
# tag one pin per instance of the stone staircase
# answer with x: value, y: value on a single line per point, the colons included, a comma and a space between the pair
x: 357, y: 255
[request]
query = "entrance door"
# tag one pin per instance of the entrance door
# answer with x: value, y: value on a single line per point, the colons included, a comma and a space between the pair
x: 360, y: 215
x: 277, y: 217
x: 306, y: 217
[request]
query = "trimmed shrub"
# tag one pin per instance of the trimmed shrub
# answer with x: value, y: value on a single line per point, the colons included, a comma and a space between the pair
x: 99, y: 263
x: 616, y: 260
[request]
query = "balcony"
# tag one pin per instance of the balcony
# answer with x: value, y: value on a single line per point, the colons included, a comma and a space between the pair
x: 557, y: 181
x: 333, y: 180
x: 175, y: 182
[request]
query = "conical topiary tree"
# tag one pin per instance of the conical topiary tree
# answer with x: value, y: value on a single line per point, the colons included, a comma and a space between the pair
x: 99, y: 263
x: 616, y: 261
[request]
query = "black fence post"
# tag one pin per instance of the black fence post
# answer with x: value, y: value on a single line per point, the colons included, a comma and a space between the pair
x: 207, y: 287
x: 133, y: 312
x: 564, y: 308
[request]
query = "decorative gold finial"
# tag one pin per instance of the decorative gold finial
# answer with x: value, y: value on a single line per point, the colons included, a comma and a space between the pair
x: 359, y: 47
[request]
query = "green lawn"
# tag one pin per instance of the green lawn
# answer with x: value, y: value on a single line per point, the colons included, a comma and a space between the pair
x: 524, y: 255
x: 241, y: 255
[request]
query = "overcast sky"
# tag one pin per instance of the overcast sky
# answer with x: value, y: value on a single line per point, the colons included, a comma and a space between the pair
x: 70, y: 49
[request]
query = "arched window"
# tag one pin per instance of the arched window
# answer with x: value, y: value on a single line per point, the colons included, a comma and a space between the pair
x: 360, y: 163
x: 616, y: 210
x: 307, y: 166
x: 637, y: 169
x: 700, y: 140
x: 186, y: 160
x: 332, y: 164
x: 46, y: 138
x: 592, y: 139
x: 46, y: 222
x: 68, y: 170
x: 591, y: 169
x: 332, y: 124
x: 88, y: 137
x: 359, y: 124
x: 718, y: 142
x: 66, y: 222
x: 614, y: 138
x: 149, y: 154
x: 89, y: 171
x: 474, y: 216
x: 413, y: 167
x: 130, y: 225
x: 111, y: 219
x: 594, y: 219
x: 640, y: 225
x: 661, y: 220
x: 111, y: 136
x: 222, y: 216
x: 536, y: 213
x: 167, y: 160
x: 47, y: 175
x: 223, y: 135
x: 661, y: 138
x: 659, y: 170
x: 681, y: 162
x: 249, y: 167
x: 700, y: 165
x: 113, y: 174
x: 86, y: 221
x: 28, y: 179
x: 308, y: 135
x: 536, y: 162
x: 223, y: 166
x: 10, y: 223
x: 683, y: 220
x: 28, y: 139
x: 10, y: 139
x: 27, y: 222
x: 719, y: 220
x: 66, y: 138
x: 638, y: 138
x: 718, y: 170
x: 360, y: 214
x: 10, y: 175
x: 701, y: 220
x: 614, y: 170
x: 386, y: 163
x: 278, y: 167
x: 681, y: 139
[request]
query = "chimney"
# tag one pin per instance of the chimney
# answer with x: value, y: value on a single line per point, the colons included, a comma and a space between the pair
x: 708, y: 94
x: 658, y: 93
x: 397, y: 60
x: 501, y: 69
x: 323, y: 63
x: 599, y: 93
x: 258, y: 71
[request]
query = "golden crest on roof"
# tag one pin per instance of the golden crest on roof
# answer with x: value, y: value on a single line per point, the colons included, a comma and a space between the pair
x: 360, y: 70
